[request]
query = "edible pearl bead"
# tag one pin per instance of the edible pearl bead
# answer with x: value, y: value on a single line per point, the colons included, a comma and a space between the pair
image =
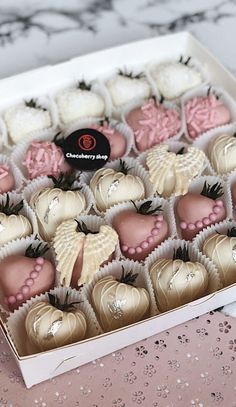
x: 40, y: 260
x: 144, y: 245
x: 158, y: 225
x: 216, y: 209
x: 191, y: 226
x: 139, y: 249
x: 219, y: 203
x: 124, y: 248
x: 160, y: 218
x: 29, y: 282
x: 206, y: 221
x: 150, y: 239
x: 19, y: 297
x: 183, y: 225
x: 11, y: 299
x: 199, y: 224
x: 131, y: 250
x: 25, y: 289
x: 154, y: 232
x: 38, y: 268
x: 34, y: 274
x: 212, y: 217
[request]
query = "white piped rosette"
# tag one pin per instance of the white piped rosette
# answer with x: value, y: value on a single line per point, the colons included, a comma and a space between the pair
x: 134, y: 169
x: 16, y: 322
x: 18, y: 154
x: 14, y: 199
x: 18, y: 247
x: 136, y: 70
x: 165, y: 213
x: 165, y: 104
x: 193, y: 63
x: 114, y: 124
x: 203, y: 91
x: 115, y: 269
x: 6, y: 161
x: 47, y: 103
x: 203, y: 142
x: 196, y: 187
x: 166, y: 251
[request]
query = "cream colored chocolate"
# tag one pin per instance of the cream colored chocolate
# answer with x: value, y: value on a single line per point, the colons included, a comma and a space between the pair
x: 110, y: 187
x: 95, y: 249
x: 52, y: 206
x: 222, y: 250
x: 13, y: 227
x: 118, y: 304
x: 48, y: 327
x: 172, y: 173
x: 177, y: 282
x: 222, y: 153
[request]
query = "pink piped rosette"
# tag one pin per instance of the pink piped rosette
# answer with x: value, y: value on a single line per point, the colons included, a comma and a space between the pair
x: 40, y: 156
x: 205, y: 109
x: 196, y: 186
x: 166, y: 213
x: 161, y: 121
x: 15, y: 323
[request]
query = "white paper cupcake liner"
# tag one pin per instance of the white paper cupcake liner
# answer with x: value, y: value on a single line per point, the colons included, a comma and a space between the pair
x: 196, y: 186
x: 18, y: 247
x: 115, y: 269
x: 166, y: 104
x: 47, y: 103
x: 166, y: 251
x: 119, y: 126
x: 19, y: 152
x: 111, y: 213
x: 230, y: 183
x: 203, y: 91
x: 3, y: 135
x: 135, y: 169
x: 4, y: 160
x: 193, y: 63
x: 204, y: 140
x: 221, y: 227
x: 26, y: 211
x: 45, y: 182
x: 117, y: 111
x: 16, y: 322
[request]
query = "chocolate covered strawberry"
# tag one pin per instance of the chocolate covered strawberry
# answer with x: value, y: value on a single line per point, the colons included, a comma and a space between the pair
x: 140, y: 230
x: 197, y: 211
x: 24, y: 276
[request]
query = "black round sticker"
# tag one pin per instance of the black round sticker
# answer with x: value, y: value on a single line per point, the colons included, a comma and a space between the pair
x: 86, y: 149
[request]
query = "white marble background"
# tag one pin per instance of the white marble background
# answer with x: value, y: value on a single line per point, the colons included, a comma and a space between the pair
x: 38, y: 32
x: 34, y: 33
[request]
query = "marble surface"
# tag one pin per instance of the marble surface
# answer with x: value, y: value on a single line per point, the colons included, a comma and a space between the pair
x: 38, y: 32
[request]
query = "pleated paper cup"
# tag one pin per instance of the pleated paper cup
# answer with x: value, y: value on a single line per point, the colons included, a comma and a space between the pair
x: 19, y: 180
x: 48, y: 104
x: 193, y: 63
x: 114, y: 124
x: 19, y: 151
x: 166, y: 211
x: 18, y: 247
x: 204, y: 91
x: 134, y: 169
x: 26, y: 211
x: 3, y: 135
x: 115, y: 269
x: 231, y: 191
x: 167, y: 105
x: 196, y: 187
x: 203, y: 142
x: 93, y: 223
x: 166, y: 251
x: 221, y: 228
x: 16, y: 322
x: 117, y: 111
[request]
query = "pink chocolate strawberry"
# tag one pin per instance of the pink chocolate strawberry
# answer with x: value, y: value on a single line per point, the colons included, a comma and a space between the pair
x: 140, y: 230
x: 24, y: 276
x: 197, y: 211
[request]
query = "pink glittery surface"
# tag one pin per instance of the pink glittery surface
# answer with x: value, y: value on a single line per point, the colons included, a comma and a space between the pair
x: 192, y: 365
